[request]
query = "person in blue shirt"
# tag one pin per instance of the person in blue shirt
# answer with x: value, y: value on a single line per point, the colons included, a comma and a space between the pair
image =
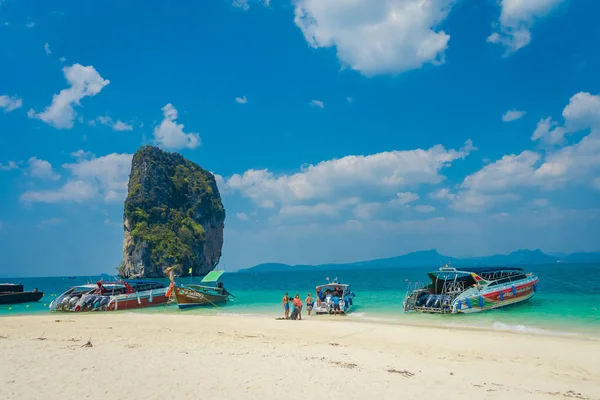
x: 336, y: 303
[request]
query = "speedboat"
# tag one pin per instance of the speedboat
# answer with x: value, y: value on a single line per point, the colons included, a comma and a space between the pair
x: 111, y: 296
x: 325, y: 293
x: 13, y: 293
x: 452, y: 291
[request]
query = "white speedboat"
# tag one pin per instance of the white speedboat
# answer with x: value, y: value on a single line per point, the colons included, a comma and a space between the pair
x: 332, y: 297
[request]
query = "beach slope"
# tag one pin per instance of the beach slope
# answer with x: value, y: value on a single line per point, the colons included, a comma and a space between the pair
x: 158, y: 356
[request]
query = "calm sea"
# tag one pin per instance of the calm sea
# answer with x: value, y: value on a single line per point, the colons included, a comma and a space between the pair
x: 567, y: 300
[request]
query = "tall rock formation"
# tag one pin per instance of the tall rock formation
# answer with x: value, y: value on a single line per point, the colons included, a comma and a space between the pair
x: 173, y: 217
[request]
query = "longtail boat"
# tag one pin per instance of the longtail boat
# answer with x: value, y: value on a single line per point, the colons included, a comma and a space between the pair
x: 111, y: 296
x: 193, y: 295
x: 453, y: 291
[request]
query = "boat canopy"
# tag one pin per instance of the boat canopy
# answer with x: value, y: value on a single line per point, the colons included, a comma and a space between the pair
x: 212, y: 276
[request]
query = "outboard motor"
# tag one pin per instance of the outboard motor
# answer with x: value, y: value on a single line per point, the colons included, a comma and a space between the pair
x: 430, y: 300
x: 437, y: 301
x: 422, y: 299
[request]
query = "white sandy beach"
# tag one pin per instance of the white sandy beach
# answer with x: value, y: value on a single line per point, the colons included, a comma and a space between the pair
x: 150, y: 356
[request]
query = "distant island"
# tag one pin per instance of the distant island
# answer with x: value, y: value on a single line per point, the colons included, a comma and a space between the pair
x: 432, y: 258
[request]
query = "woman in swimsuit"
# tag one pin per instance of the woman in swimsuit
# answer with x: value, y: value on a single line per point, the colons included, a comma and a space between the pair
x: 309, y: 303
x: 285, y: 302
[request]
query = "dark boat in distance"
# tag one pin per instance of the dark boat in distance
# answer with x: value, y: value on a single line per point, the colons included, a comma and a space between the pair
x: 13, y: 293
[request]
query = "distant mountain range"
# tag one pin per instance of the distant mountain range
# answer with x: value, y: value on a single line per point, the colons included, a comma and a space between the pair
x: 431, y: 258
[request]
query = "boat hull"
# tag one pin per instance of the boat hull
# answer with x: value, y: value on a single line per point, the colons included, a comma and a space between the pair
x: 20, y: 297
x: 130, y: 301
x: 493, y: 299
x: 189, y: 298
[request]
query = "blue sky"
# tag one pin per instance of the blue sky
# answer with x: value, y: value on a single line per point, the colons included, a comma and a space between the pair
x: 338, y: 131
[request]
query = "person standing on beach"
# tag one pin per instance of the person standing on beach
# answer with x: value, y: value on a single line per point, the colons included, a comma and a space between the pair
x: 309, y: 303
x: 298, y: 305
x: 336, y: 303
x: 285, y: 302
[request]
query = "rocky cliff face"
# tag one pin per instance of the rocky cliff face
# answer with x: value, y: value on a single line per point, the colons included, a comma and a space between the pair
x: 173, y: 217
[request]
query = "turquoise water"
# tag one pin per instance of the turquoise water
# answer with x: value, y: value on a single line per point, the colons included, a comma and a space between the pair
x: 567, y: 300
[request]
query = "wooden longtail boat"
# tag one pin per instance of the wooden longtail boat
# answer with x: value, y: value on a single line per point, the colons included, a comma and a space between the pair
x: 193, y: 295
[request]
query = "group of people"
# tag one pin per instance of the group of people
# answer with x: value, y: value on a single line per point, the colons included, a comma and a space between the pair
x: 297, y: 304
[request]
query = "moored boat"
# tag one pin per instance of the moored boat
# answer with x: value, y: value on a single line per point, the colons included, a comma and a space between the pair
x: 13, y: 293
x: 194, y: 295
x: 327, y: 294
x: 111, y: 296
x: 471, y: 290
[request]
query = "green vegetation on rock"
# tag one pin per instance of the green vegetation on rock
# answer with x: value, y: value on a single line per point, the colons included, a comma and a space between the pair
x: 169, y: 204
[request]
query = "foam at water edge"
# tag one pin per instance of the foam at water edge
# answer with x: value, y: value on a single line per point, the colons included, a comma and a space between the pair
x: 528, y: 329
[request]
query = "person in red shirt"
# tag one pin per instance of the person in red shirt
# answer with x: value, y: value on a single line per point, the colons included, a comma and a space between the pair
x: 298, y: 304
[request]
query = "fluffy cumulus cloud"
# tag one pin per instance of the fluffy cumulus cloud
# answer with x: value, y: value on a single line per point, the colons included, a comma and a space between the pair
x: 41, y: 169
x: 83, y: 82
x: 10, y: 103
x: 115, y: 126
x: 559, y: 166
x: 512, y: 115
x: 47, y: 49
x: 364, y: 183
x: 170, y: 135
x: 513, y: 30
x: 241, y: 100
x: 90, y: 179
x: 377, y: 37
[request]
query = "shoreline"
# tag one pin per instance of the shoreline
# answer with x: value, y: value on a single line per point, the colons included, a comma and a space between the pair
x: 145, y: 355
x: 472, y: 323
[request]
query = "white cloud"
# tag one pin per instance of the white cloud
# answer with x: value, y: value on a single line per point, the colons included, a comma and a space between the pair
x: 575, y: 164
x: 351, y: 176
x: 241, y: 100
x: 516, y: 19
x: 84, y: 82
x: 405, y: 198
x: 62, y: 59
x: 241, y: 216
x: 241, y: 4
x: 50, y: 222
x: 41, y: 169
x: 47, y: 49
x: 8, y: 166
x: 103, y: 178
x: 549, y: 132
x: 423, y: 208
x: 170, y: 135
x: 116, y: 126
x: 317, y: 103
x: 71, y: 192
x: 442, y: 194
x: 508, y: 172
x: 8, y: 103
x: 29, y: 23
x: 512, y: 115
x: 377, y: 37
